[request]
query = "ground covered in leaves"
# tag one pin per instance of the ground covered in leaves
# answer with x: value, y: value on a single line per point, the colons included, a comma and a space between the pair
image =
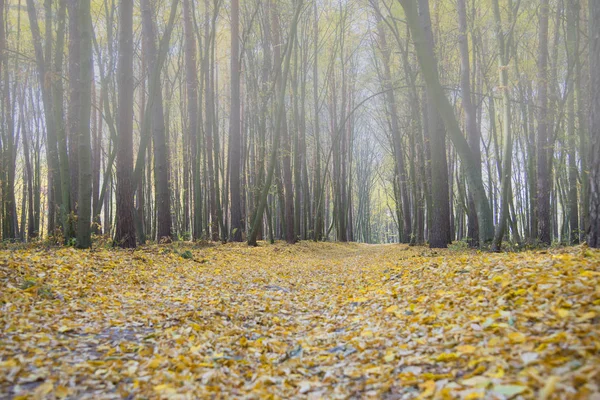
x: 310, y: 320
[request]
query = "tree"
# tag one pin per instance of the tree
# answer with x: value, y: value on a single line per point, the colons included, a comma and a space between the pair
x: 237, y: 225
x: 473, y: 135
x: 403, y: 182
x: 125, y: 230
x: 84, y: 214
x: 504, y: 42
x: 439, y: 99
x: 161, y: 152
x: 594, y: 123
x: 260, y: 207
x: 543, y: 172
x: 439, y: 232
x: 192, y: 109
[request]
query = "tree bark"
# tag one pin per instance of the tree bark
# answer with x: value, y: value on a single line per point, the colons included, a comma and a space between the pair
x: 543, y: 172
x: 473, y: 135
x: 84, y: 213
x: 473, y: 170
x: 594, y: 123
x: 125, y: 231
x: 439, y: 232
x: 237, y: 225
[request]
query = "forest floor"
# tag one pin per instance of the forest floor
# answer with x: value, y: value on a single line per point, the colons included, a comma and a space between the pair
x: 310, y: 320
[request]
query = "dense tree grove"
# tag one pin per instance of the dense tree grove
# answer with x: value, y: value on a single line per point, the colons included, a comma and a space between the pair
x: 414, y: 121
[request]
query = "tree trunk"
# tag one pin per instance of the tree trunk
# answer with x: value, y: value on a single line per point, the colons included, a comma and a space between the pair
x: 395, y: 133
x: 237, y: 225
x: 594, y: 124
x: 84, y: 217
x: 161, y: 152
x: 439, y: 232
x: 505, y: 181
x: 543, y: 169
x: 125, y: 232
x: 473, y: 135
x: 428, y: 66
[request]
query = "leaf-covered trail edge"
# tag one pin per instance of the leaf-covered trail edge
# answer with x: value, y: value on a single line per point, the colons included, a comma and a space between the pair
x: 310, y: 320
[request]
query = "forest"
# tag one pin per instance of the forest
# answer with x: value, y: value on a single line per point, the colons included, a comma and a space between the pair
x: 300, y: 199
x: 366, y: 121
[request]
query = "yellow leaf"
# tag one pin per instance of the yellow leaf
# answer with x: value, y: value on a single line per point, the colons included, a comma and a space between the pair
x: 586, y: 316
x: 563, y: 313
x: 65, y: 328
x: 43, y: 390
x: 444, y: 357
x: 428, y: 389
x: 466, y: 349
x: 391, y: 309
x: 163, y: 388
x: 509, y: 390
x: 516, y: 337
x: 196, y: 327
x: 61, y: 392
x: 548, y: 388
x: 389, y: 356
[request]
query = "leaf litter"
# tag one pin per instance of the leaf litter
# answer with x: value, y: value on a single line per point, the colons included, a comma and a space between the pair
x: 308, y: 321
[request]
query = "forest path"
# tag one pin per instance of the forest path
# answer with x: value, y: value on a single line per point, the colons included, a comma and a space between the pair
x: 315, y: 320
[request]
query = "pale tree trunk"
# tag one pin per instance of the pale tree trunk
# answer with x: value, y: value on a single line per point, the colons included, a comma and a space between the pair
x: 573, y: 211
x: 161, y: 152
x: 506, y: 168
x: 543, y: 172
x: 73, y: 111
x: 395, y: 133
x: 473, y: 135
x: 67, y: 201
x: 258, y: 213
x: 192, y: 110
x: 290, y: 236
x: 208, y: 121
x: 594, y: 124
x: 42, y: 62
x: 237, y: 225
x: 318, y: 203
x: 84, y: 215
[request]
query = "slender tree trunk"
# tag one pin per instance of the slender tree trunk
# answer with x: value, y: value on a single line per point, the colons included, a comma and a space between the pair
x: 84, y: 217
x: 403, y: 182
x: 439, y: 232
x: 506, y: 169
x: 318, y: 203
x: 42, y: 62
x: 161, y: 150
x: 543, y: 168
x: 428, y: 67
x: 473, y: 136
x: 594, y: 124
x: 237, y: 225
x: 125, y: 232
x: 68, y: 202
x: 73, y: 111
x: 572, y: 53
x: 96, y: 156
x: 258, y: 213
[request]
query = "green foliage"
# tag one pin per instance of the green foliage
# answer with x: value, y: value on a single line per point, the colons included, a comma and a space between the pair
x: 187, y: 255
